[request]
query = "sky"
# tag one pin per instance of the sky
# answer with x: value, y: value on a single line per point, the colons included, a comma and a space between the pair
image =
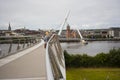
x: 50, y: 14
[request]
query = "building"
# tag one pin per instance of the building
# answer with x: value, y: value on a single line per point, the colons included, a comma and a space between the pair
x: 2, y: 32
x: 95, y: 33
x: 68, y: 32
x: 74, y: 34
x: 114, y: 32
x: 27, y: 32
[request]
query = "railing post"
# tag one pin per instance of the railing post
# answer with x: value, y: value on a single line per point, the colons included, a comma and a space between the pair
x: 0, y: 50
x: 18, y: 47
x: 10, y: 47
x: 27, y: 42
x: 30, y: 41
x: 24, y: 43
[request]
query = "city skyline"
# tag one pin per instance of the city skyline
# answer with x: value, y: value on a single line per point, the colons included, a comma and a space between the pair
x: 47, y: 14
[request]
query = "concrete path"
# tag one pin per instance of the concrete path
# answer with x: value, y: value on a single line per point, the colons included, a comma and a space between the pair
x: 29, y: 66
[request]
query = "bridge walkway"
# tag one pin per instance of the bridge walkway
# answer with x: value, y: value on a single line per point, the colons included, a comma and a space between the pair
x: 25, y: 65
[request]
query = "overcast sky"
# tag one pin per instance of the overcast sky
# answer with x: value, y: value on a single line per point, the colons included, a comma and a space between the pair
x: 47, y: 14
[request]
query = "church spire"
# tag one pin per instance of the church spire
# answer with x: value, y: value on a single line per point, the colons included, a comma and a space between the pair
x: 9, y: 27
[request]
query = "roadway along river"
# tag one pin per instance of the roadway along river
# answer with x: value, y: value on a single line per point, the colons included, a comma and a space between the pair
x: 92, y: 48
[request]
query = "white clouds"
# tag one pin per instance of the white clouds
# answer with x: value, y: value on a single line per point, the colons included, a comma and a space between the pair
x: 51, y: 12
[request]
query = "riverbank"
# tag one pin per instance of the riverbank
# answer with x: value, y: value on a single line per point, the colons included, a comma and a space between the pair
x: 93, y: 74
x: 111, y: 59
x: 62, y: 40
x: 102, y: 39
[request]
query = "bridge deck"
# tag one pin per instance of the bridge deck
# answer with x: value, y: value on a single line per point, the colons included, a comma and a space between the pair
x: 30, y: 66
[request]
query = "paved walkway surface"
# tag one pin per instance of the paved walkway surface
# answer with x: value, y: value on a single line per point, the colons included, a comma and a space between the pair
x: 30, y: 66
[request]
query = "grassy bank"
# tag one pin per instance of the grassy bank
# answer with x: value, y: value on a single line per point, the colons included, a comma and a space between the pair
x: 110, y: 59
x: 93, y: 73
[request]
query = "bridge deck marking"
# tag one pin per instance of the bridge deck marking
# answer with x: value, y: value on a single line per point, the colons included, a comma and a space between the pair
x: 29, y: 65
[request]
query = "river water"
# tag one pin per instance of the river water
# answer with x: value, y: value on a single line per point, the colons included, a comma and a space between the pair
x: 92, y: 48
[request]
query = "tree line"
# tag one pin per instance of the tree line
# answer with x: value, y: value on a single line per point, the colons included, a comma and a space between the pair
x: 111, y: 59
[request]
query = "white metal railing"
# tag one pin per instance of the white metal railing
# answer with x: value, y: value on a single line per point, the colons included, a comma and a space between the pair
x: 55, y: 62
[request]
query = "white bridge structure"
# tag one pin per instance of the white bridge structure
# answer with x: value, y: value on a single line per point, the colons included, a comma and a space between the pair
x: 35, y: 63
x: 81, y: 39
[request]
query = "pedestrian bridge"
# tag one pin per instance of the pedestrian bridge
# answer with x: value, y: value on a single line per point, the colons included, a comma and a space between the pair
x: 35, y: 63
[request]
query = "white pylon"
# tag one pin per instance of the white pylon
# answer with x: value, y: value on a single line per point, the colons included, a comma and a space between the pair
x: 64, y: 22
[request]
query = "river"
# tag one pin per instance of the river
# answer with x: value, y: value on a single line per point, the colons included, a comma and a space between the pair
x: 92, y: 48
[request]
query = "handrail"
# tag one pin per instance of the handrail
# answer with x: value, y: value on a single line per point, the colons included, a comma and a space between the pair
x: 12, y: 46
x: 55, y: 63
